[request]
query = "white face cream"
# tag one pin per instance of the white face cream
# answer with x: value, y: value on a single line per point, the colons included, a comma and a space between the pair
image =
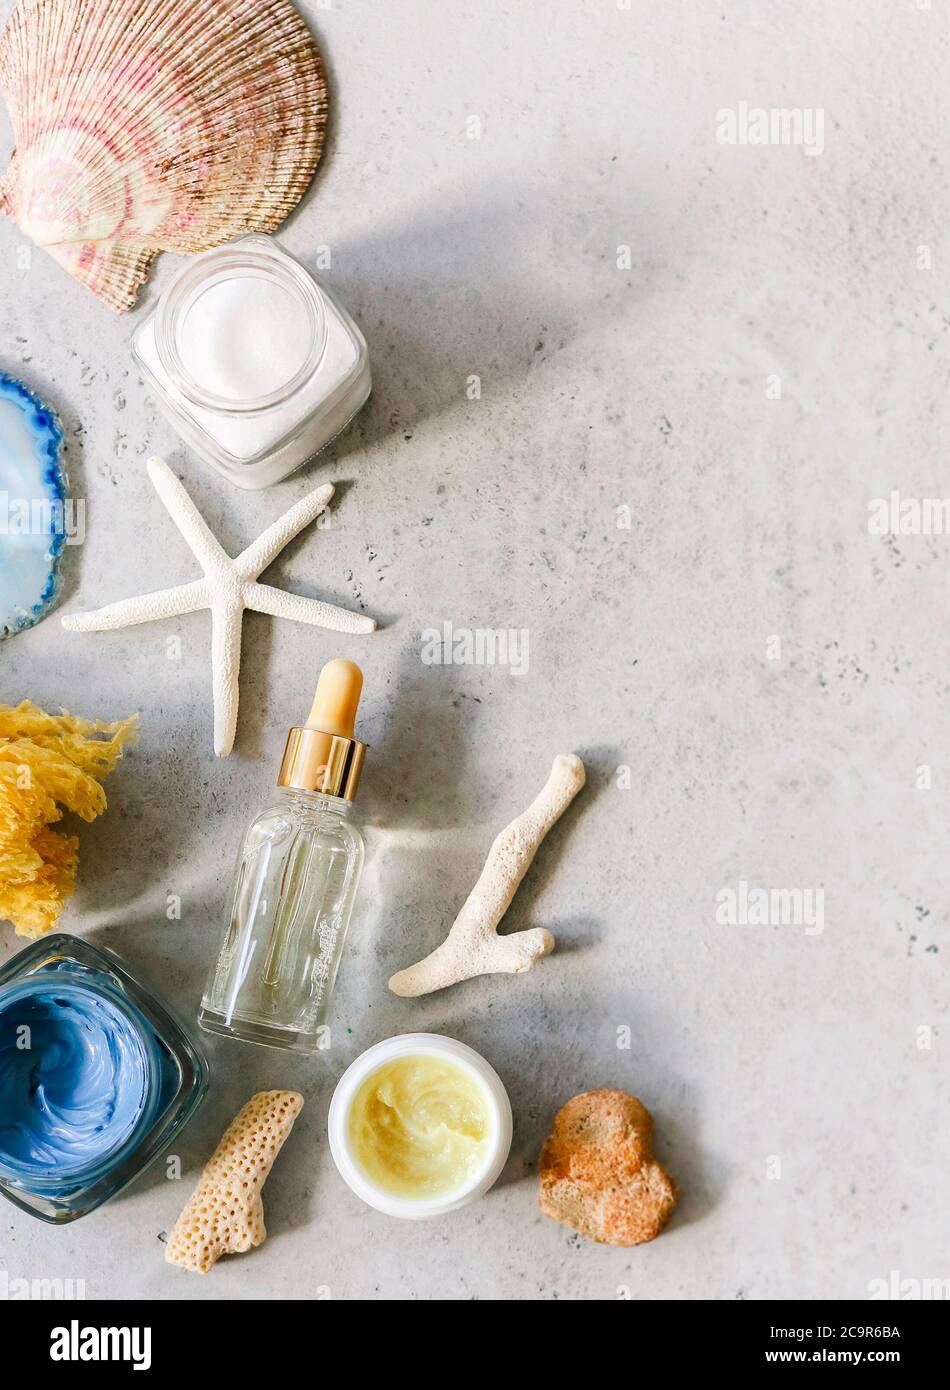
x: 255, y: 362
x: 244, y: 337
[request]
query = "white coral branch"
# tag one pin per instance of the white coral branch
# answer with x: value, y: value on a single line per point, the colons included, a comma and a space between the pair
x: 473, y: 946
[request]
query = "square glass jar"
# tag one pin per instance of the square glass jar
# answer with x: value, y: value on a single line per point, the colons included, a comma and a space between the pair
x: 257, y: 365
x: 177, y: 1072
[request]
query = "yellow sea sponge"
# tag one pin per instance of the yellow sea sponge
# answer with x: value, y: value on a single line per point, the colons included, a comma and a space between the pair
x: 48, y: 763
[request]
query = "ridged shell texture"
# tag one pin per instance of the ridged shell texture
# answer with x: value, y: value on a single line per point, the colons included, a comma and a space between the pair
x: 156, y: 125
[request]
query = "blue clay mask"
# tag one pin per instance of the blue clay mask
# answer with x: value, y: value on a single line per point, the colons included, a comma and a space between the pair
x: 77, y: 1078
x: 97, y: 1078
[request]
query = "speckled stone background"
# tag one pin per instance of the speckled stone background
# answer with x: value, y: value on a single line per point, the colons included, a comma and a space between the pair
x: 603, y: 388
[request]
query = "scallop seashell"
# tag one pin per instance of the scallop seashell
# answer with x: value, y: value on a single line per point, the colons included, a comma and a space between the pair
x: 156, y: 125
x: 33, y: 528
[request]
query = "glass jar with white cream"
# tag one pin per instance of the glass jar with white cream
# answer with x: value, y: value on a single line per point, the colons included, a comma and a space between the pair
x: 257, y: 365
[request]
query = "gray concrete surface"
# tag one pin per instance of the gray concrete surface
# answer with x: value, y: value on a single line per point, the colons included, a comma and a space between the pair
x: 796, y: 1097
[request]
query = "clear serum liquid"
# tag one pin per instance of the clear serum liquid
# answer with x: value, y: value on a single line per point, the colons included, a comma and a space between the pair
x: 295, y: 885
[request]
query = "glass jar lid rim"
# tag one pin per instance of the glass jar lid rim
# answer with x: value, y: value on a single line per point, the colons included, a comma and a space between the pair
x: 253, y: 254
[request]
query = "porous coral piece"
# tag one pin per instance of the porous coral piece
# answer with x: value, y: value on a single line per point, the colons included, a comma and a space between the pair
x: 598, y: 1173
x: 48, y: 763
x: 473, y: 946
x: 225, y: 1214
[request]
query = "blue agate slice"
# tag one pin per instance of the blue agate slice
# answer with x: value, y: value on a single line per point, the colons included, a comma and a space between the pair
x: 33, y: 528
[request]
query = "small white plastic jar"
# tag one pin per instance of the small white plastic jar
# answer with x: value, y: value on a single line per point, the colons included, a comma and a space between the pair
x: 497, y: 1105
x: 255, y: 362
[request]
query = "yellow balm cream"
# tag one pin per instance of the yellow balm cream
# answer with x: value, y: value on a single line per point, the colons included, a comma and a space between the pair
x: 420, y: 1127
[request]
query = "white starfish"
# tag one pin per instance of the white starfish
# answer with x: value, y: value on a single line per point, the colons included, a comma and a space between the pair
x: 228, y: 587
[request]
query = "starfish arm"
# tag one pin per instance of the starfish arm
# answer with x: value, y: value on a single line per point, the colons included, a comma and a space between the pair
x: 263, y: 598
x: 262, y: 552
x: 205, y: 547
x: 145, y: 608
x: 225, y: 669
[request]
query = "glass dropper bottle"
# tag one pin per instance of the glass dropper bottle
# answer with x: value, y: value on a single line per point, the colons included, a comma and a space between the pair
x: 296, y: 881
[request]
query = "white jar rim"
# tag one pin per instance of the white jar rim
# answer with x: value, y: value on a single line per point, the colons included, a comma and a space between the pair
x: 250, y: 255
x: 419, y: 1045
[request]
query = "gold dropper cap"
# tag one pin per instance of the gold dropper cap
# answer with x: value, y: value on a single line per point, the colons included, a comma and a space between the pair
x: 322, y: 755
